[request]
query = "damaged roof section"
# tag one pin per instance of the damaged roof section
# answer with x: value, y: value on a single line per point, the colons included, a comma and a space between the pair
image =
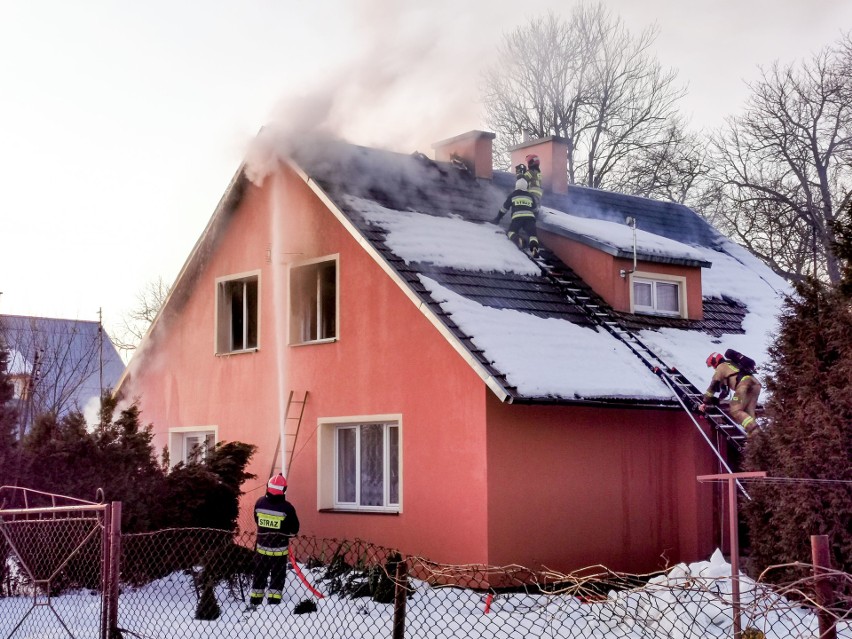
x: 431, y: 222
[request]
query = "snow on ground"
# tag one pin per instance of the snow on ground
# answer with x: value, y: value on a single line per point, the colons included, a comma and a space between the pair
x: 688, y: 602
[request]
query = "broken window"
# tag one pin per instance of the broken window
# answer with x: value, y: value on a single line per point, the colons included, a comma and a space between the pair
x: 237, y: 314
x: 313, y: 302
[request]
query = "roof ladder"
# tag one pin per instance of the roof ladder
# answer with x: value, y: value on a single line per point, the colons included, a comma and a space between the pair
x: 688, y: 396
x: 290, y: 433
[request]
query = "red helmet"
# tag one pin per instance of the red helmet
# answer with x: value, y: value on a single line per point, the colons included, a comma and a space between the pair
x: 532, y: 161
x: 277, y: 485
x: 714, y: 359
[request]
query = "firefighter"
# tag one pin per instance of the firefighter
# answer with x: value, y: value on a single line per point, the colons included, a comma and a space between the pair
x: 522, y: 229
x: 727, y: 376
x: 533, y: 177
x: 276, y: 522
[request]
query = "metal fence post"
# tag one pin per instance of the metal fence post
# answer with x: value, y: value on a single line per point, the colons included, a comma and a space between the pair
x: 105, y: 572
x: 400, y: 595
x: 114, y: 568
x: 822, y: 584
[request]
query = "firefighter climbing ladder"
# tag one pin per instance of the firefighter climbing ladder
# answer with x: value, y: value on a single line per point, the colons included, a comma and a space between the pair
x: 289, y: 434
x: 687, y: 395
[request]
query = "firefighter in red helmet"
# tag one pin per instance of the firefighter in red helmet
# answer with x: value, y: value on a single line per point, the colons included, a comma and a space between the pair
x: 276, y: 523
x: 727, y: 376
x: 532, y: 175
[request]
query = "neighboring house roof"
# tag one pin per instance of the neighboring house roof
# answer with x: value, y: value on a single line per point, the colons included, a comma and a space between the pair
x: 64, y: 357
x: 431, y: 223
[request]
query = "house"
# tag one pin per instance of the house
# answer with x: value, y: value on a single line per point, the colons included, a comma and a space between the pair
x: 425, y: 385
x: 58, y: 365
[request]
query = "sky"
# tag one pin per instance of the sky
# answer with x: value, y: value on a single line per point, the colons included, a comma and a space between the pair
x: 687, y: 601
x: 121, y: 123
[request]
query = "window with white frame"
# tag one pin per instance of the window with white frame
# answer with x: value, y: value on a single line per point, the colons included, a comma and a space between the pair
x: 313, y: 301
x: 188, y: 444
x: 237, y: 313
x: 658, y: 296
x: 360, y: 464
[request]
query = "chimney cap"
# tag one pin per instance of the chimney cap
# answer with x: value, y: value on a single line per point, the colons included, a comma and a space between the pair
x: 463, y: 136
x: 537, y: 141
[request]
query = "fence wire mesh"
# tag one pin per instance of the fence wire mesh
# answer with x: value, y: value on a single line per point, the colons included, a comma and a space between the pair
x: 195, y: 583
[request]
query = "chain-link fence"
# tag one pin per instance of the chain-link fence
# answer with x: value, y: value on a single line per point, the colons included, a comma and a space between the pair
x: 192, y: 583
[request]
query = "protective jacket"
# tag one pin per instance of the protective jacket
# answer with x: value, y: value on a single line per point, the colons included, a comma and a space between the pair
x: 276, y: 522
x: 746, y: 388
x: 520, y: 203
x: 533, y: 178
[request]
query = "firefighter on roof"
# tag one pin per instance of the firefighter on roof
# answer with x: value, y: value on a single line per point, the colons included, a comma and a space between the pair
x: 532, y: 174
x: 276, y: 522
x: 727, y: 376
x: 522, y: 229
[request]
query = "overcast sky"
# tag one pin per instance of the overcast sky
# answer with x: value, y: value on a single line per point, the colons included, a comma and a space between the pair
x: 122, y: 122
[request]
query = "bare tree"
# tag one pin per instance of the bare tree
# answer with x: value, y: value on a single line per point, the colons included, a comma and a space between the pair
x: 136, y: 322
x: 590, y: 81
x: 63, y: 361
x: 784, y: 168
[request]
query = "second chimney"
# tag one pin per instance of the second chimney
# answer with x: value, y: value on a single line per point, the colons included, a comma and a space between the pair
x: 474, y: 148
x: 553, y: 155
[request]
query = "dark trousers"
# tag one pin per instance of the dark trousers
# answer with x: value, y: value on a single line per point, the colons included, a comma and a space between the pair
x: 272, y: 571
x: 522, y: 232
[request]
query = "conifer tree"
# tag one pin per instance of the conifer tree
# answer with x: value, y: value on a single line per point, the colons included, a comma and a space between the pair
x: 809, y: 431
x: 8, y: 424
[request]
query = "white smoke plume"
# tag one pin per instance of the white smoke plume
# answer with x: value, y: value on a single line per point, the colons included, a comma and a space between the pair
x: 411, y: 79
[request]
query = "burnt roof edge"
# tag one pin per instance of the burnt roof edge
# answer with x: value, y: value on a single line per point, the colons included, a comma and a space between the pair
x: 490, y: 381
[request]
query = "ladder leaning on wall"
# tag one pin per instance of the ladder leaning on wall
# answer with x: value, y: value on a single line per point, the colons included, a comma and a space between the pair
x: 291, y: 433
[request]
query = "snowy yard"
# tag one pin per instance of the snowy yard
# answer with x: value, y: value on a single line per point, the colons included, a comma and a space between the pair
x: 687, y: 602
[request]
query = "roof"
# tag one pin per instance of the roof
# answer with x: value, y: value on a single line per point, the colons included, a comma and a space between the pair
x: 64, y: 356
x: 431, y: 224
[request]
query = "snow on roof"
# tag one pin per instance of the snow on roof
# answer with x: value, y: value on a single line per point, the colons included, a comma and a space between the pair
x: 620, y: 236
x: 553, y: 357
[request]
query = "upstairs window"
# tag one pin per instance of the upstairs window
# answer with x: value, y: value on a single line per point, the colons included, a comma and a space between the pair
x: 658, y: 296
x: 313, y: 302
x: 237, y: 316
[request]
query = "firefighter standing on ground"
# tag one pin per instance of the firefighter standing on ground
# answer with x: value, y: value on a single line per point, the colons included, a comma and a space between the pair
x: 276, y: 522
x: 522, y: 205
x: 746, y: 388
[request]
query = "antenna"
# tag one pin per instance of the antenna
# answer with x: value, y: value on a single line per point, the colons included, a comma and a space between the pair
x: 631, y: 222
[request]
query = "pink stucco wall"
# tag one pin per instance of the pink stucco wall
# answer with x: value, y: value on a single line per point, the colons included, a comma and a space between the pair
x: 578, y: 486
x: 601, y: 271
x: 482, y: 482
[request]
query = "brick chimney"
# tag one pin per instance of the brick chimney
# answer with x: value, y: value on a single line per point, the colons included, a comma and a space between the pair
x: 553, y: 155
x: 473, y: 148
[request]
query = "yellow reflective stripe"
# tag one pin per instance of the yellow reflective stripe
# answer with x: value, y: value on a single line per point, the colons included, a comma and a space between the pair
x: 523, y: 214
x: 271, y: 552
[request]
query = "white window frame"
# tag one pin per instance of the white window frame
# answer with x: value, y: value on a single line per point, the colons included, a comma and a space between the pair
x: 654, y: 279
x: 296, y: 330
x: 223, y: 342
x: 327, y: 463
x: 178, y: 436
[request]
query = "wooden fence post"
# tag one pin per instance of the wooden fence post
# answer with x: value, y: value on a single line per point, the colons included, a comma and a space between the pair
x: 400, y: 595
x: 822, y: 585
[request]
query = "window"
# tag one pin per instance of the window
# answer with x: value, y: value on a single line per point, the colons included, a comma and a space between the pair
x: 661, y: 297
x: 313, y: 302
x: 237, y: 315
x: 191, y: 443
x: 360, y: 466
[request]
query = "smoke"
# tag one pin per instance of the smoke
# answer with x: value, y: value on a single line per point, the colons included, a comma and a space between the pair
x: 409, y: 78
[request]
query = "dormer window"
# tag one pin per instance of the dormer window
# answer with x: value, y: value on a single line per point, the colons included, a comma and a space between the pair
x: 658, y: 294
